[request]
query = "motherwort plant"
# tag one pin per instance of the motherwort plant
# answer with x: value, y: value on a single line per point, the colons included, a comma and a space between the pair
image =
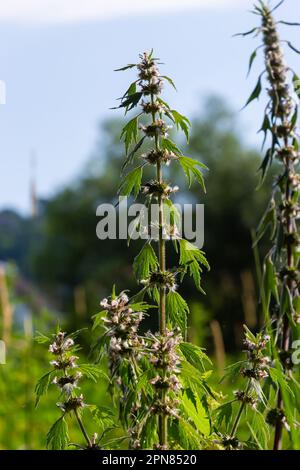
x: 280, y: 296
x: 250, y: 399
x: 159, y: 378
x: 66, y: 375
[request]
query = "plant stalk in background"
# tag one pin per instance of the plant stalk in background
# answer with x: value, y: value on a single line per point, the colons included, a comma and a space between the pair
x: 281, y: 265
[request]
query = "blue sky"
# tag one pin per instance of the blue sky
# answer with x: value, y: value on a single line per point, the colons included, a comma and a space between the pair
x: 58, y: 61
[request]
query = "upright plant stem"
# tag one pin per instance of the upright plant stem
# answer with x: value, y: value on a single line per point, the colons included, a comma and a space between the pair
x: 162, y: 258
x: 82, y: 428
x: 238, y: 416
x: 285, y: 341
x: 163, y: 419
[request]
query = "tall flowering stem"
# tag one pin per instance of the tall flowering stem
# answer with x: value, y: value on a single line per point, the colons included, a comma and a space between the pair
x: 255, y: 368
x: 66, y: 375
x: 281, y: 267
x: 149, y: 129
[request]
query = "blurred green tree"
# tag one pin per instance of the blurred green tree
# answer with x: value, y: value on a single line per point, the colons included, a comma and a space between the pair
x: 75, y: 269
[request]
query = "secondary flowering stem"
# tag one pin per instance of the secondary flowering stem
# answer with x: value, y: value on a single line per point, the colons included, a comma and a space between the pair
x: 82, y: 428
x: 239, y: 415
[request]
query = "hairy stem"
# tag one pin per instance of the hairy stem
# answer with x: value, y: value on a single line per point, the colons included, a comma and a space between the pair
x: 163, y: 419
x: 239, y: 414
x: 82, y: 428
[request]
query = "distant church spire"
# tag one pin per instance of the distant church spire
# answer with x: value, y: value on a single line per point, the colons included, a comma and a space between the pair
x: 33, y: 195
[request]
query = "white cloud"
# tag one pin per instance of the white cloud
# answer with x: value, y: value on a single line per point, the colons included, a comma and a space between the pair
x: 38, y: 11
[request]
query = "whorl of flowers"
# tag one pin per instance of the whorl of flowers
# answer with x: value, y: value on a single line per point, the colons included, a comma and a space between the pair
x: 163, y: 355
x: 275, y: 417
x: 62, y: 349
x: 166, y: 279
x: 257, y: 362
x: 121, y: 323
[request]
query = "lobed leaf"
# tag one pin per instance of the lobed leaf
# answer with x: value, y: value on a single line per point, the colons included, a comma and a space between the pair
x: 177, y: 310
x: 58, y: 435
x: 145, y: 262
x: 131, y: 183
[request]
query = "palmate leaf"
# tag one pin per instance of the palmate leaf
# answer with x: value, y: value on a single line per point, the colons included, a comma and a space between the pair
x: 234, y: 370
x: 189, y: 166
x: 92, y: 372
x: 130, y: 132
x: 131, y: 183
x: 194, y: 355
x: 131, y: 98
x: 58, y: 435
x: 177, y: 310
x: 187, y: 436
x: 145, y: 262
x: 224, y: 414
x: 103, y: 416
x: 141, y: 306
x: 40, y: 338
x: 42, y: 386
x: 167, y: 144
x: 196, y: 381
x: 181, y: 122
x: 259, y: 430
x: 191, y: 258
x: 197, y: 414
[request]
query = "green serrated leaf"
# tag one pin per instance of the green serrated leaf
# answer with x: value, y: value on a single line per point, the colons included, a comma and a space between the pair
x: 177, y: 310
x: 191, y: 258
x: 194, y: 355
x: 167, y: 144
x: 131, y: 183
x: 181, y: 122
x: 130, y: 132
x: 197, y: 414
x: 42, y: 386
x: 189, y: 166
x: 92, y: 372
x: 145, y: 262
x: 58, y: 435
